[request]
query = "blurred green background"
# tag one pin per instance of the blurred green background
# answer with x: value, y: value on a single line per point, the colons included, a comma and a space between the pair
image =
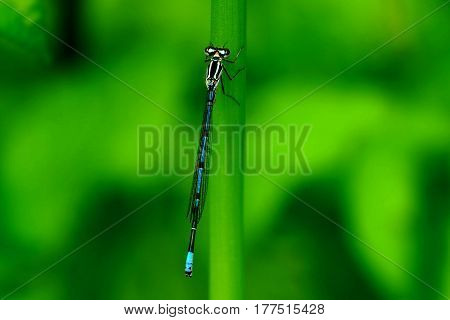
x: 379, y: 149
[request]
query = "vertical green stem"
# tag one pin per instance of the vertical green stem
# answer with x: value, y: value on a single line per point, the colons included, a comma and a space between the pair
x: 225, y: 195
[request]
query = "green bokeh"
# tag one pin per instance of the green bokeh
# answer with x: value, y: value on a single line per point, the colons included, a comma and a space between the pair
x: 379, y: 149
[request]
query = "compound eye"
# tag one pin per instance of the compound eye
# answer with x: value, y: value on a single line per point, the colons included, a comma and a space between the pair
x: 224, y: 52
x: 210, y: 51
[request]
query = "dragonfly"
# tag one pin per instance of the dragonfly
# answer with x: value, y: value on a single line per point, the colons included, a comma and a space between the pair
x: 215, y: 56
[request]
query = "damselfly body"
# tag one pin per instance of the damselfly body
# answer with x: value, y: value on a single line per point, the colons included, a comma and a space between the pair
x: 215, y: 57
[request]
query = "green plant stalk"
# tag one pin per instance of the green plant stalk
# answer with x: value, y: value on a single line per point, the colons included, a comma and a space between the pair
x: 225, y: 195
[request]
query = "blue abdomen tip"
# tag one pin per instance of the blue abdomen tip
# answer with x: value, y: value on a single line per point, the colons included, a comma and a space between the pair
x: 189, y: 263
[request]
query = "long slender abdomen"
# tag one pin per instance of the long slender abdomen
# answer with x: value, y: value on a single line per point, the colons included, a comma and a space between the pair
x: 199, y: 183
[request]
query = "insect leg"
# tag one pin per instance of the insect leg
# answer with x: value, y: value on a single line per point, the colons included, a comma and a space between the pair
x: 234, y: 76
x: 228, y: 95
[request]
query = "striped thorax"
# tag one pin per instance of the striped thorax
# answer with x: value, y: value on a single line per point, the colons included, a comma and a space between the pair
x: 215, y: 68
